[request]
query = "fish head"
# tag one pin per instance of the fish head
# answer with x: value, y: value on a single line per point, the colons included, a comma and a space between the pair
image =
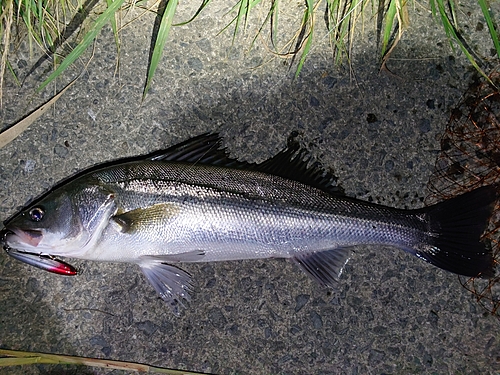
x: 62, y: 223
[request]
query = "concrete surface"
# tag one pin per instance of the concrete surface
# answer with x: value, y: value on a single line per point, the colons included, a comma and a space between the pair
x: 379, y: 132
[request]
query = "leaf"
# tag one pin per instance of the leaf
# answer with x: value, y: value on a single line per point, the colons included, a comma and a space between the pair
x: 14, y: 131
x: 161, y: 38
x: 308, y: 18
x: 87, y: 40
x: 390, y: 15
x: 114, y: 27
x: 272, y: 17
x: 397, y: 9
x: 17, y: 357
x: 202, y: 6
x: 8, y: 8
x: 304, y: 54
x: 489, y: 21
x: 241, y: 17
x: 437, y: 6
x: 341, y: 22
x: 243, y: 6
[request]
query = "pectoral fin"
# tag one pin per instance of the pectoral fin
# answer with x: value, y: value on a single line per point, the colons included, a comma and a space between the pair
x: 131, y: 221
x: 324, y: 266
x: 170, y: 282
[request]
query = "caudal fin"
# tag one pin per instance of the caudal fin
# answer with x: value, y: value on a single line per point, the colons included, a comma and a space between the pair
x: 456, y: 226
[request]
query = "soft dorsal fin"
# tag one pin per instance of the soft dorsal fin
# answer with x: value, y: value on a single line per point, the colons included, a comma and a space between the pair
x: 293, y: 163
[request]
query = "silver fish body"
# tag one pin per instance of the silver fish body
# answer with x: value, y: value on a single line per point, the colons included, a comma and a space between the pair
x: 175, y: 208
x: 160, y: 210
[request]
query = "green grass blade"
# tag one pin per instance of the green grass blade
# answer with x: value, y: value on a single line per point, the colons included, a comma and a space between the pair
x: 270, y: 17
x: 453, y: 12
x: 434, y: 10
x: 439, y: 7
x: 274, y: 21
x: 396, y: 21
x: 87, y: 40
x: 340, y: 18
x: 114, y: 27
x: 14, y: 75
x: 308, y: 14
x: 438, y: 10
x: 26, y: 14
x: 389, y: 22
x: 334, y: 25
x: 39, y: 14
x: 202, y: 6
x: 489, y: 21
x: 161, y: 38
x: 305, y: 52
x: 241, y: 17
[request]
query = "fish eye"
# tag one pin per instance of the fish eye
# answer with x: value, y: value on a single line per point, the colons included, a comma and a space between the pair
x: 36, y: 213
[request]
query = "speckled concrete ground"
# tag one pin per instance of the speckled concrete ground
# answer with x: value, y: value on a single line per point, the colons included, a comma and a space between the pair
x: 379, y: 132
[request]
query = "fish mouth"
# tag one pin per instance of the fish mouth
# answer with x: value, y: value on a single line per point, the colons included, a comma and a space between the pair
x: 16, y: 236
x: 42, y: 261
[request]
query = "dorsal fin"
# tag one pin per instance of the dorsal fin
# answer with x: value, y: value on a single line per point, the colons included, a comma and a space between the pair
x: 202, y: 149
x: 293, y: 163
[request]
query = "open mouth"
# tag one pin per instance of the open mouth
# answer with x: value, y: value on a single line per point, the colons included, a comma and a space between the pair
x: 13, y: 236
x: 45, y: 262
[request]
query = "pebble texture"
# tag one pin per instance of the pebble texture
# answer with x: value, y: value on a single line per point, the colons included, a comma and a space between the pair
x: 379, y: 133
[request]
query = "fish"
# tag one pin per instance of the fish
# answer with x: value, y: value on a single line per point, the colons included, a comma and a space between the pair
x: 192, y: 202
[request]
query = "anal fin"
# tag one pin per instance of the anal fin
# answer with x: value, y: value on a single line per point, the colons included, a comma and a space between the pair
x: 324, y: 266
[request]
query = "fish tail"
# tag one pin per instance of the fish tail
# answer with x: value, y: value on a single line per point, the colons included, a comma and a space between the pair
x: 456, y: 227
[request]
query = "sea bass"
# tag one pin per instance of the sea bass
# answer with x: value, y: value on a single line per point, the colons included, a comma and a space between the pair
x: 193, y: 203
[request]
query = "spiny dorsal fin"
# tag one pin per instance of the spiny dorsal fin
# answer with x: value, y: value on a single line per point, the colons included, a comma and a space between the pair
x: 293, y: 163
x: 202, y: 149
